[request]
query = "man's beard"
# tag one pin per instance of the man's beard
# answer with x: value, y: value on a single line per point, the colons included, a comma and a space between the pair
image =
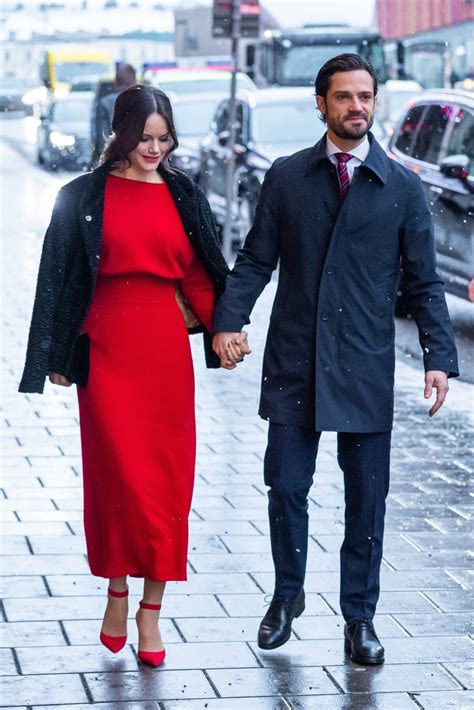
x: 341, y: 131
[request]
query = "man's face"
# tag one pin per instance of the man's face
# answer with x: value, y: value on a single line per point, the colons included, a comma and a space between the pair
x: 349, y: 105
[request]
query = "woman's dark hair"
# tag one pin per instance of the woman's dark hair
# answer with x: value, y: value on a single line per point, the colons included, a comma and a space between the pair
x: 132, y: 108
x: 342, y: 63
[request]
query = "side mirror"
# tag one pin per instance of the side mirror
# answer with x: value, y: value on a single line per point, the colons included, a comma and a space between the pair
x: 455, y: 166
x: 222, y: 138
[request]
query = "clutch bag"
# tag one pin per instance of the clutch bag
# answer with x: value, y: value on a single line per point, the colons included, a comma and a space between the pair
x: 190, y: 319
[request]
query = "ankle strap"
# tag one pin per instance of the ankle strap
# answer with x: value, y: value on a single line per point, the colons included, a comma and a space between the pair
x: 153, y: 607
x: 113, y: 593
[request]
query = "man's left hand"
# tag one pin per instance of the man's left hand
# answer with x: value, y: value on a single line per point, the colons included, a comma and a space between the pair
x: 439, y: 380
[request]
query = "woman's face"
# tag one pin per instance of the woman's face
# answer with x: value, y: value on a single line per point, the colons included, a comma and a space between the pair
x: 155, y: 143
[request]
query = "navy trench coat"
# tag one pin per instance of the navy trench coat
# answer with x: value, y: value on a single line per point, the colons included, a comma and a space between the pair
x: 330, y: 355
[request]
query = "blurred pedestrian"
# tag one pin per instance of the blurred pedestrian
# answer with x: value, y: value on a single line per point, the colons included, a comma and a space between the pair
x: 125, y: 76
x: 106, y: 316
x: 339, y: 217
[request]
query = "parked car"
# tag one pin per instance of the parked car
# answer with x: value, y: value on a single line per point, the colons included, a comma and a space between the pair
x: 64, y: 132
x: 192, y: 81
x: 435, y: 139
x: 397, y: 94
x: 192, y: 116
x: 12, y: 94
x: 271, y: 123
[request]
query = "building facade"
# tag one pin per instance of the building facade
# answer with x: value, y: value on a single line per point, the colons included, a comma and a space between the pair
x: 431, y: 41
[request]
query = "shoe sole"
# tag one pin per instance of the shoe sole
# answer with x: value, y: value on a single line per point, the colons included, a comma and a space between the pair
x: 362, y: 660
x: 280, y: 643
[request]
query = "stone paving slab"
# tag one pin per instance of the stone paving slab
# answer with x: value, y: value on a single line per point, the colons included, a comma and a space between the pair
x: 363, y: 701
x: 261, y: 682
x: 440, y: 701
x: 148, y: 684
x: 33, y: 690
x: 392, y: 678
x: 52, y: 607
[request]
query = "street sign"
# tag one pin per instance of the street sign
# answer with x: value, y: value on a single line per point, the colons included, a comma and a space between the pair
x: 222, y: 18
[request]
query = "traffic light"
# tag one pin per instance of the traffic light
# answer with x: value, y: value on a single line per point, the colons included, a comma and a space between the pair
x: 249, y: 22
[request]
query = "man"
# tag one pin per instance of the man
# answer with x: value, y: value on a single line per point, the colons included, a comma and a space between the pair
x: 125, y: 77
x: 338, y: 217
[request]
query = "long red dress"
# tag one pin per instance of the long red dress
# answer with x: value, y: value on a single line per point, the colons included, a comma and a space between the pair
x: 137, y: 412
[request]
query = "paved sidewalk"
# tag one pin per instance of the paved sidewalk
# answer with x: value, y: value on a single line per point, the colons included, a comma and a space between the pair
x: 52, y: 606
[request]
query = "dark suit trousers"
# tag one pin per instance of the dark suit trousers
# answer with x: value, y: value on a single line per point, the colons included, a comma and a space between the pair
x: 290, y: 461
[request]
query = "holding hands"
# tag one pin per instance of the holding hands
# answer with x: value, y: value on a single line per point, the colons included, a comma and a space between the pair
x: 231, y: 348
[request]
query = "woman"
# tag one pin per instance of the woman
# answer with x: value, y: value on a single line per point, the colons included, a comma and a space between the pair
x: 106, y: 317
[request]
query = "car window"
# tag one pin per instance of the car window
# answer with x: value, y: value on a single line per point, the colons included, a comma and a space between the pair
x: 192, y: 118
x: 461, y: 141
x: 71, y: 111
x: 430, y: 135
x: 285, y: 122
x: 239, y: 119
x: 409, y: 128
x: 222, y: 119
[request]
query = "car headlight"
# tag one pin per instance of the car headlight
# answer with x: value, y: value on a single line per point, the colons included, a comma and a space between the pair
x: 29, y: 98
x: 61, y: 140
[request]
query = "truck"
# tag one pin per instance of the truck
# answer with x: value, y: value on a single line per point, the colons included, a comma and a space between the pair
x: 292, y: 57
x: 63, y: 68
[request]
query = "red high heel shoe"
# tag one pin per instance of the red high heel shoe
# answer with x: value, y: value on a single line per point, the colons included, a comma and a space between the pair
x: 114, y: 643
x: 151, y: 658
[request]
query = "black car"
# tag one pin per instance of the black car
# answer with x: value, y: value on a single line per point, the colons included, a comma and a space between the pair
x: 271, y: 123
x: 435, y: 138
x: 64, y: 132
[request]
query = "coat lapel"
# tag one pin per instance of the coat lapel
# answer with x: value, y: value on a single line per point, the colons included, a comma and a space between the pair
x: 91, y: 215
x: 184, y: 197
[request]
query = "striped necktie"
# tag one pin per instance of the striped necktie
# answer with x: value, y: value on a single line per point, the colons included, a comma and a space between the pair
x: 344, y: 182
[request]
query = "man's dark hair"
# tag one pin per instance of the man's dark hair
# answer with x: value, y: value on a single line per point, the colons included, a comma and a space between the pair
x: 125, y: 76
x: 342, y: 63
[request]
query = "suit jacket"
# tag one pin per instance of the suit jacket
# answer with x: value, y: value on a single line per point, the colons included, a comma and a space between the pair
x: 70, y: 264
x: 329, y: 356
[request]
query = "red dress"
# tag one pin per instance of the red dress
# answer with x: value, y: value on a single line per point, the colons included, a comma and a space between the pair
x: 137, y: 412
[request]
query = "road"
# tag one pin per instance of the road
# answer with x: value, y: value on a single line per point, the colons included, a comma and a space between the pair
x: 52, y: 606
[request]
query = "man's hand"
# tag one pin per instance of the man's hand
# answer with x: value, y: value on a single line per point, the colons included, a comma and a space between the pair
x: 439, y: 380
x: 231, y: 348
x: 56, y: 379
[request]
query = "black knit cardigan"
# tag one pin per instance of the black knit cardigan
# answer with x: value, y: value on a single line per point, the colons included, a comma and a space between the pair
x: 70, y: 264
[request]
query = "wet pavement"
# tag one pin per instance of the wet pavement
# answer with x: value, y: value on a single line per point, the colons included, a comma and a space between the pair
x: 52, y: 607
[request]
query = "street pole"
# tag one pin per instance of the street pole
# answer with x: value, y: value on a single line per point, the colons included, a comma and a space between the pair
x: 229, y: 192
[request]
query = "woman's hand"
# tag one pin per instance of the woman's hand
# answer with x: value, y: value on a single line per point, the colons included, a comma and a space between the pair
x: 231, y: 348
x: 56, y: 379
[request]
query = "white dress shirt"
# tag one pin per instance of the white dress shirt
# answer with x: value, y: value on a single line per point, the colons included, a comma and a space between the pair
x: 359, y: 154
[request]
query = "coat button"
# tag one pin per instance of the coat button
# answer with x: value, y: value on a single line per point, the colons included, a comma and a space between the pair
x: 324, y: 316
x: 329, y: 271
x: 88, y: 218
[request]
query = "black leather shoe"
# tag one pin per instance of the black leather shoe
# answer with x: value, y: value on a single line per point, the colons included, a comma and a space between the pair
x: 362, y: 644
x: 275, y: 628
